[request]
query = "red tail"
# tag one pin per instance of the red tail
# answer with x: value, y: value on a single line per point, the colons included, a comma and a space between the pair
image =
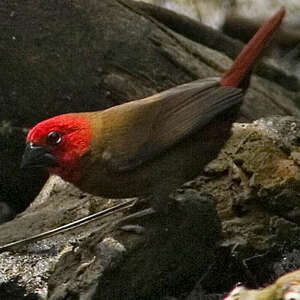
x: 251, y: 51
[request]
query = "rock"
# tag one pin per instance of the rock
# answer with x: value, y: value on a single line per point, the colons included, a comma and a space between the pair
x: 148, y: 266
x: 255, y: 181
x: 6, y: 213
x: 240, y: 20
x: 260, y: 226
x: 285, y: 287
x: 102, y: 260
x: 79, y: 58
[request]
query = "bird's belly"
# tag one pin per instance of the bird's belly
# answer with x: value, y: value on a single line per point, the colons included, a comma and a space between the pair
x: 167, y: 171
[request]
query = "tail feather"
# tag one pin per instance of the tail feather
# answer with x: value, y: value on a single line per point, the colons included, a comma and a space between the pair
x: 243, y: 63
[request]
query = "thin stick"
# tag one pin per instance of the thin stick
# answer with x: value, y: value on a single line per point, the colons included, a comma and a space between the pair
x: 72, y: 225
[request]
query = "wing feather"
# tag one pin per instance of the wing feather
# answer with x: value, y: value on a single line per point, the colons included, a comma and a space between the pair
x: 150, y: 126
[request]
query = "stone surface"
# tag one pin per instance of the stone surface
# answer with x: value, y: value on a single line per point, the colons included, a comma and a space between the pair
x: 68, y: 56
x: 102, y: 259
x: 75, y: 55
x: 255, y: 184
x: 286, y: 287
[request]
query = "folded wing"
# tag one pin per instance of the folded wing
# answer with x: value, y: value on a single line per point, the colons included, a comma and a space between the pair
x: 154, y: 124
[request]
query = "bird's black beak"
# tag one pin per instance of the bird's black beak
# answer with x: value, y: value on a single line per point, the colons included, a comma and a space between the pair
x: 37, y: 156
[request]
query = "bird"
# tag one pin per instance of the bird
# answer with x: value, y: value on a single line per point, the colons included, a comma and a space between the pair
x: 151, y: 146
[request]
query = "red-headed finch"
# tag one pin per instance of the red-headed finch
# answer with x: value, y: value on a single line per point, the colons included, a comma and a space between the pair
x: 147, y: 146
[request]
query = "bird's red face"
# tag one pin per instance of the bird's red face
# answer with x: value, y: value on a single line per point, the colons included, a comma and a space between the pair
x: 58, y: 143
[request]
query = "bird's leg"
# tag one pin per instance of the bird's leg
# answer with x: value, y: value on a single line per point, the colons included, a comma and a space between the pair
x: 135, y: 228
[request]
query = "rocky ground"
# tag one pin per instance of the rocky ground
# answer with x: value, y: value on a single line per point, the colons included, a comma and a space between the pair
x: 237, y: 221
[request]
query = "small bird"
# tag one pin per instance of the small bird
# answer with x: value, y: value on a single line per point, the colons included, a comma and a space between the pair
x: 149, y: 146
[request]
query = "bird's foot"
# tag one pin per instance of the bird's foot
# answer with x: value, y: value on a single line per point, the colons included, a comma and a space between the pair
x: 137, y: 216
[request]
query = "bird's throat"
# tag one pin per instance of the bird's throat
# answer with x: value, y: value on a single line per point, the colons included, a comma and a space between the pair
x: 71, y: 173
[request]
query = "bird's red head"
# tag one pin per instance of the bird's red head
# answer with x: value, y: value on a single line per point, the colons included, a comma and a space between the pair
x: 58, y: 143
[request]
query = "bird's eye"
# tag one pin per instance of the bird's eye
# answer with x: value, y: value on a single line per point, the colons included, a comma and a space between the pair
x: 53, y: 138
